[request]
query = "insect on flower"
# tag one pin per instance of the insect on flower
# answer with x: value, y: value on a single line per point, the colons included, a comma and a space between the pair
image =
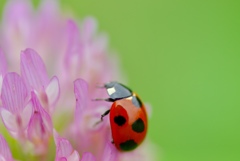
x: 128, y: 117
x: 49, y: 66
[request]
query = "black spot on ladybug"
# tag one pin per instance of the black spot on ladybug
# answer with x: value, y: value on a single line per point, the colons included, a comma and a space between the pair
x: 128, y: 145
x: 136, y: 101
x: 119, y: 120
x: 138, y: 126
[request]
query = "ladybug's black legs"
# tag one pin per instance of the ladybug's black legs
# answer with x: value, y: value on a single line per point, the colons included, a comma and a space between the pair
x: 104, y: 114
x: 107, y: 112
x: 104, y: 99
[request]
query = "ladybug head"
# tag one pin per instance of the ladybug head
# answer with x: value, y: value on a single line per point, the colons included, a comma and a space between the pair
x: 117, y: 90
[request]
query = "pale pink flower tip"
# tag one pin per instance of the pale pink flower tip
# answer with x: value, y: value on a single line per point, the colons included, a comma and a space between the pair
x: 33, y: 69
x: 14, y: 93
x: 64, y: 150
x: 81, y: 94
x: 5, y: 154
x: 3, y: 70
x: 34, y: 73
x: 3, y: 63
x: 40, y: 126
x: 88, y: 157
x: 16, y: 112
x: 110, y: 153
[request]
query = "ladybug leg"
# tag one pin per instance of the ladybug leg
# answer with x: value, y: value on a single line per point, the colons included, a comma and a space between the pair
x: 104, y: 99
x: 100, y: 86
x: 102, y: 116
x: 112, y: 142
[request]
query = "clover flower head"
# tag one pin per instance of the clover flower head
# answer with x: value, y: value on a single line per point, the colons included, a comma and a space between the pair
x: 49, y: 69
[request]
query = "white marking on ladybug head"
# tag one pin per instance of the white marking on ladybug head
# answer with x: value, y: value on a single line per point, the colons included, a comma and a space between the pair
x: 111, y: 90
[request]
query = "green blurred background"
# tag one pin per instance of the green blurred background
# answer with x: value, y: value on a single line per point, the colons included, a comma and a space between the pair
x: 183, y: 57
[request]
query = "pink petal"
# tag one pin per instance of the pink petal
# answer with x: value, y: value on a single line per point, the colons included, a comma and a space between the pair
x: 38, y: 108
x: 81, y: 94
x: 89, y: 28
x: 74, y: 156
x: 40, y: 126
x: 64, y: 149
x: 16, y: 12
x: 73, y: 47
x: 37, y: 130
x: 49, y: 36
x: 5, y: 153
x: 1, y: 81
x: 17, y: 29
x: 14, y: 93
x: 33, y: 69
x: 110, y: 152
x: 62, y: 159
x: 14, y: 122
x: 48, y: 7
x: 53, y: 91
x: 9, y: 120
x: 3, y: 69
x: 3, y: 64
x: 99, y: 46
x: 88, y: 157
x: 26, y: 114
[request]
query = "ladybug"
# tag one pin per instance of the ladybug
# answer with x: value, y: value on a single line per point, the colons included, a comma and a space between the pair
x: 128, y: 117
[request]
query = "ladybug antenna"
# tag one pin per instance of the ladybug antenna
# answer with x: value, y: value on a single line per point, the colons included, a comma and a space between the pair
x: 100, y: 85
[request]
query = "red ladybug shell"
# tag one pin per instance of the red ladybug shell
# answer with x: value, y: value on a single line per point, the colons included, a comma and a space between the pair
x: 128, y: 121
